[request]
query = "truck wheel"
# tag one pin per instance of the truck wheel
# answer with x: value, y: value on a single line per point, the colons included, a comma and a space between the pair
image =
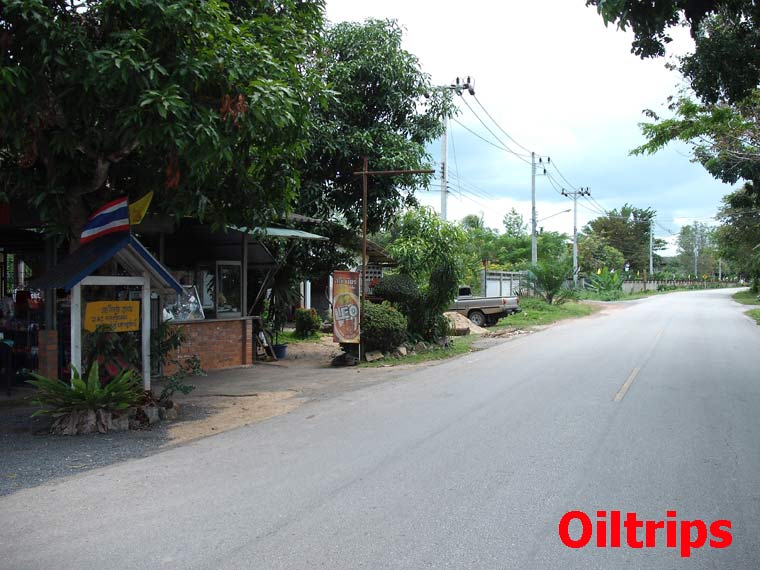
x: 477, y: 317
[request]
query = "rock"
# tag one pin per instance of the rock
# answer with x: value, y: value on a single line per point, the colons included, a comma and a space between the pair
x: 167, y: 414
x: 420, y: 347
x: 119, y: 422
x: 134, y: 424
x: 373, y: 355
x: 87, y: 422
x: 401, y: 351
x: 151, y: 413
x: 64, y: 425
x: 103, y: 420
x: 459, y: 323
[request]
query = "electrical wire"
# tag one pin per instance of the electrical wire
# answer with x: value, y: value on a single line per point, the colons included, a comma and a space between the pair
x: 454, y: 152
x: 465, y: 127
x: 498, y: 126
x: 494, y: 135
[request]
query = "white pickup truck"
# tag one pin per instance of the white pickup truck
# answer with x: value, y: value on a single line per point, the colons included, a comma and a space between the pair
x: 484, y: 311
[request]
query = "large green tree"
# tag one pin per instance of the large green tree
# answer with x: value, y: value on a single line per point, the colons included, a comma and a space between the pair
x: 627, y: 230
x: 385, y: 108
x: 205, y: 103
x: 738, y: 235
x: 697, y: 254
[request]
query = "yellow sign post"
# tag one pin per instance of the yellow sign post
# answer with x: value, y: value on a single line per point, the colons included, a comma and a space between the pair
x: 119, y: 316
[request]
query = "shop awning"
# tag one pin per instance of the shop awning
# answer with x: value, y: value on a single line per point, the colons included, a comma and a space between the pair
x: 123, y: 247
x: 282, y: 233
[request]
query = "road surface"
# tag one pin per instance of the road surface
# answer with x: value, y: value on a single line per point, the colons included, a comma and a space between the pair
x: 470, y: 464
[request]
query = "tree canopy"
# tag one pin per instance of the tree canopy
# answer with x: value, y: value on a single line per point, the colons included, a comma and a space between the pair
x: 205, y: 103
x: 383, y: 107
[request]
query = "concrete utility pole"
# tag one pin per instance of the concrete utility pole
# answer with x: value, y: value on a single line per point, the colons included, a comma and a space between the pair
x: 651, y: 247
x: 575, y: 194
x: 696, y: 259
x: 457, y: 88
x: 533, y: 244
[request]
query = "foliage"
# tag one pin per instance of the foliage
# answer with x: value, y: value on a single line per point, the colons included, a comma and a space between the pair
x: 738, y: 236
x: 627, y: 230
x: 607, y: 284
x: 514, y: 224
x: 699, y: 237
x: 431, y: 251
x: 548, y: 278
x: 399, y: 289
x: 383, y: 327
x: 385, y: 108
x: 113, y: 352
x: 57, y: 398
x: 594, y: 253
x: 754, y: 314
x: 165, y: 343
x: 205, y: 103
x: 725, y: 63
x: 746, y: 298
x: 283, y: 296
x: 308, y: 322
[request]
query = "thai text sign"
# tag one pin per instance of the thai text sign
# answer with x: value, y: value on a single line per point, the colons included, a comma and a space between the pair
x: 119, y: 316
x: 346, y: 307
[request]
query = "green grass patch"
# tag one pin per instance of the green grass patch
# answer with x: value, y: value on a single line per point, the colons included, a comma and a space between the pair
x: 289, y: 337
x: 537, y: 312
x: 458, y: 345
x: 755, y: 314
x: 746, y: 298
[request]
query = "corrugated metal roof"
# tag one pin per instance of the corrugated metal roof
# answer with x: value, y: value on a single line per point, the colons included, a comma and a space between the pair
x: 282, y: 233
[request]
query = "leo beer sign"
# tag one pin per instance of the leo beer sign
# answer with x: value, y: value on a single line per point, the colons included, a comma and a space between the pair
x: 346, y: 307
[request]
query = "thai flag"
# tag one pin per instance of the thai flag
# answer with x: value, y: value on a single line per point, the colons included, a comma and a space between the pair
x: 113, y: 217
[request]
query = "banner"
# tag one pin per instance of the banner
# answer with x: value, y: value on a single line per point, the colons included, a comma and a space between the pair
x: 119, y: 316
x: 346, y: 306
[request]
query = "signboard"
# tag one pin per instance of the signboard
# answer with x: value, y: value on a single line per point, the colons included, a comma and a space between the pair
x: 120, y: 316
x: 346, y: 306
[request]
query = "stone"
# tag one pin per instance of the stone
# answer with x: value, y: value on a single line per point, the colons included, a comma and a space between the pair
x: 420, y: 347
x: 119, y: 422
x: 167, y: 414
x: 400, y: 352
x: 103, y: 420
x: 87, y: 422
x: 373, y: 355
x: 151, y: 412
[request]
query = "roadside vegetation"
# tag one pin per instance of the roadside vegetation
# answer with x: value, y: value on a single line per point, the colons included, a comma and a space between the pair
x: 537, y: 312
x: 746, y: 298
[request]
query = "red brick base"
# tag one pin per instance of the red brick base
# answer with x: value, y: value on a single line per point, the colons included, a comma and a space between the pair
x: 218, y: 344
x: 48, y: 354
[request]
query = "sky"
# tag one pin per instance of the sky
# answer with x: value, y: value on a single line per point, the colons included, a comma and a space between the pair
x: 561, y: 85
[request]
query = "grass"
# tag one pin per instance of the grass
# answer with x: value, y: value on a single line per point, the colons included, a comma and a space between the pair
x: 746, y: 298
x: 289, y: 337
x: 459, y: 345
x: 755, y: 314
x: 536, y: 312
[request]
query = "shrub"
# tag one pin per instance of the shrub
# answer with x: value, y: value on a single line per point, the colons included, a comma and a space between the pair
x: 383, y: 327
x: 548, y: 279
x: 308, y: 322
x: 607, y: 284
x: 400, y: 289
x: 57, y: 398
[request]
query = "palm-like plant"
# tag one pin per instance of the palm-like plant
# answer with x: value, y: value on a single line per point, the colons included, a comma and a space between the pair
x: 548, y: 279
x: 607, y: 284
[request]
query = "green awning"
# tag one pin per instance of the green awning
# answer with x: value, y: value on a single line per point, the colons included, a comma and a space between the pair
x: 283, y: 233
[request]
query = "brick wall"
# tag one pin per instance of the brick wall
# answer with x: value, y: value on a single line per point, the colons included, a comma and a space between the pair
x: 48, y: 354
x: 218, y: 344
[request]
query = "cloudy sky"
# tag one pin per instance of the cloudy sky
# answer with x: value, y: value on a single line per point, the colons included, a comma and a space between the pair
x: 561, y: 85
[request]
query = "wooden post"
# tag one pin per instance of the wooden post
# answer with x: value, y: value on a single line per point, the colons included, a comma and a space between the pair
x: 76, y: 329
x: 364, y: 232
x: 145, y: 330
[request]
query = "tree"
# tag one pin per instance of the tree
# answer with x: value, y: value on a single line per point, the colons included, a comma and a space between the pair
x: 385, y: 108
x: 738, y: 236
x: 695, y: 242
x: 548, y: 278
x: 205, y: 103
x: 725, y: 64
x: 627, y: 230
x: 514, y: 224
x: 432, y: 252
x: 594, y: 253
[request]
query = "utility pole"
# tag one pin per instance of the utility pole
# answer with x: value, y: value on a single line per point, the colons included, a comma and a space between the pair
x: 575, y: 194
x: 696, y: 259
x: 720, y: 270
x: 651, y: 247
x: 533, y: 244
x: 457, y: 88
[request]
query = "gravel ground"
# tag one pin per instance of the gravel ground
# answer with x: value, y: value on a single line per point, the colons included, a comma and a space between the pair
x: 31, y: 456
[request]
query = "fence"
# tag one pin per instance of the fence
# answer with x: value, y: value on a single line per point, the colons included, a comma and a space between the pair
x: 503, y: 283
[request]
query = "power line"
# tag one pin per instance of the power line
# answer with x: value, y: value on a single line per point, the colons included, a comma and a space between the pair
x: 494, y: 135
x: 499, y: 126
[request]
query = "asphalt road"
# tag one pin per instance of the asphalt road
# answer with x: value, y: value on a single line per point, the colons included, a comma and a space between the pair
x: 470, y: 464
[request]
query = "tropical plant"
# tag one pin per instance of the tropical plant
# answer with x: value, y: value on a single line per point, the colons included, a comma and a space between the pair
x: 607, y: 284
x: 112, y: 351
x: 548, y: 278
x: 308, y: 322
x: 383, y: 327
x: 57, y: 398
x: 399, y: 289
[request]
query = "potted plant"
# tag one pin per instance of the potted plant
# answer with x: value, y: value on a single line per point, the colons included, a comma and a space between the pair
x: 282, y: 296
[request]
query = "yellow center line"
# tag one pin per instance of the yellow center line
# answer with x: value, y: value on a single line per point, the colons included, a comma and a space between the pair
x: 627, y: 384
x: 635, y: 372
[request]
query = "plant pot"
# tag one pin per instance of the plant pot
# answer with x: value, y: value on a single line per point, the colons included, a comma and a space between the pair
x: 280, y: 350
